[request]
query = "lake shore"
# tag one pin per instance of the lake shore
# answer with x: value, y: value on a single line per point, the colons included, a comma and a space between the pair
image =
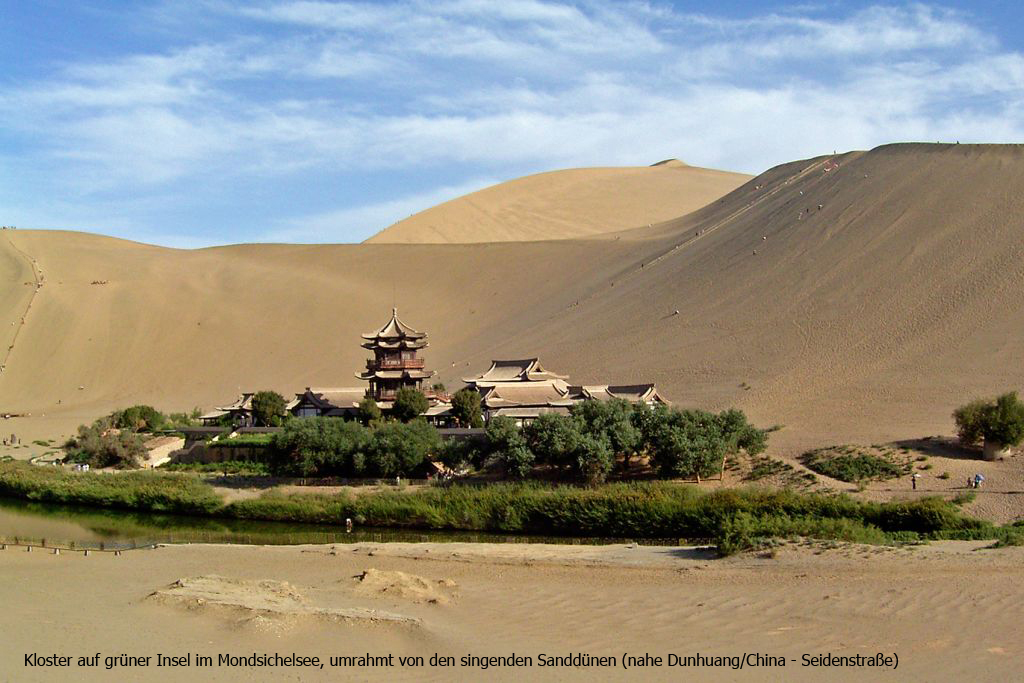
x: 948, y: 609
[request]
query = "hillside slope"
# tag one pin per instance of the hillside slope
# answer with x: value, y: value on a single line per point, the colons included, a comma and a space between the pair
x: 867, y: 319
x: 578, y: 202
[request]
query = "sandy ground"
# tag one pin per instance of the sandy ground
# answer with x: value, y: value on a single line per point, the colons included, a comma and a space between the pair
x: 573, y: 203
x: 866, y: 320
x: 948, y: 610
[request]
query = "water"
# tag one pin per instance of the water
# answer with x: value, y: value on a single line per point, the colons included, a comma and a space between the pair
x: 79, y: 527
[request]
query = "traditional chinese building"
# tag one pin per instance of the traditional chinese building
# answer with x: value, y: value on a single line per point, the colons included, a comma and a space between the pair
x: 524, y: 390
x: 396, y: 363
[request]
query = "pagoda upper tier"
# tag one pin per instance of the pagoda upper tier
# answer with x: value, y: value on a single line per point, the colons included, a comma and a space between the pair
x: 395, y: 363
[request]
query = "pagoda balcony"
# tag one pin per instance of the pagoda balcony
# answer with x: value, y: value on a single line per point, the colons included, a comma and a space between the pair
x: 396, y: 364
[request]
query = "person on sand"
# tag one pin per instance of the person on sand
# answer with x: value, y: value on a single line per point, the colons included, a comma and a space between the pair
x: 913, y: 480
x: 978, y: 478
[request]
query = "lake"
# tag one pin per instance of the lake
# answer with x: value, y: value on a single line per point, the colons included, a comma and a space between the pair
x: 80, y: 527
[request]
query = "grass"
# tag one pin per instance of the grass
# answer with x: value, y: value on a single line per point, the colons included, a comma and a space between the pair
x: 857, y: 464
x: 148, y: 491
x: 733, y: 519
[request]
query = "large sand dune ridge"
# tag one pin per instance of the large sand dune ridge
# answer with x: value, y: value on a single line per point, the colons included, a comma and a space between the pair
x: 869, y: 318
x: 572, y: 203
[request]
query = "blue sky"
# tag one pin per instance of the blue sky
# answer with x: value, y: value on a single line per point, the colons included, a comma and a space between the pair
x: 214, y: 122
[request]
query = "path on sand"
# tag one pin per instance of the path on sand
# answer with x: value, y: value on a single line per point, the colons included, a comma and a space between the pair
x: 37, y: 276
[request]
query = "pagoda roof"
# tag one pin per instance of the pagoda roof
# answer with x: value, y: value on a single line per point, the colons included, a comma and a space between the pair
x: 634, y: 393
x: 395, y: 329
x: 521, y: 370
x: 398, y: 344
x: 243, y: 402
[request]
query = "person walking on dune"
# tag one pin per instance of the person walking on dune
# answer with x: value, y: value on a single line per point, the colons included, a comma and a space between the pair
x: 913, y: 480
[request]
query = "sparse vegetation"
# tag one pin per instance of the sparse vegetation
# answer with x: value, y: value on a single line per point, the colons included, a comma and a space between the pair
x: 856, y: 465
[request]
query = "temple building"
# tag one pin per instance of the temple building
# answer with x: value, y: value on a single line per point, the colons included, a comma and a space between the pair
x: 395, y: 363
x: 335, y: 402
x: 524, y: 390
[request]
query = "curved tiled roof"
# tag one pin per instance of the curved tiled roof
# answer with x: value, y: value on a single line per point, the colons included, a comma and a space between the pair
x: 521, y: 370
x: 395, y: 329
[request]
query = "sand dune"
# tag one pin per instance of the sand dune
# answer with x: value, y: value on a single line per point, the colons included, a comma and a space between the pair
x: 567, y: 204
x: 865, y: 320
x: 949, y: 611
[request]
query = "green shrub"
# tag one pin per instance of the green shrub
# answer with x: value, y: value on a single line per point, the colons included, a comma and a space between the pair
x: 101, y: 445
x: 853, y: 468
x: 246, y: 467
x: 999, y: 420
x: 397, y: 449
x: 139, y: 418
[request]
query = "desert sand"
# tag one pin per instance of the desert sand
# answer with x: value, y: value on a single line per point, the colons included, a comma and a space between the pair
x: 949, y: 610
x: 866, y: 320
x: 566, y: 204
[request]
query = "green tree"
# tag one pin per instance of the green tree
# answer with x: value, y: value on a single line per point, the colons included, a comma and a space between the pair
x: 368, y: 411
x: 103, y: 445
x: 139, y: 418
x: 999, y: 421
x: 970, y: 421
x: 268, y: 408
x: 319, y: 446
x: 554, y: 440
x: 505, y: 440
x: 466, y: 408
x: 686, y: 443
x: 612, y: 421
x: 740, y: 434
x: 397, y: 449
x: 409, y: 404
x: 594, y: 459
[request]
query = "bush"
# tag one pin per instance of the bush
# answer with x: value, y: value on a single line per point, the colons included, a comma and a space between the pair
x: 397, y: 449
x: 999, y: 420
x: 409, y: 404
x: 466, y: 408
x: 320, y: 446
x: 101, y: 445
x: 854, y: 468
x: 458, y: 454
x: 268, y: 408
x: 140, y: 418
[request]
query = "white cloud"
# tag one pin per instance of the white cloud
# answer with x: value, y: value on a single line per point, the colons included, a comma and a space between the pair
x: 361, y: 222
x: 311, y: 89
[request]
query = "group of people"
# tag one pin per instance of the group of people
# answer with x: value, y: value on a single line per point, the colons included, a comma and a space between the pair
x: 972, y: 482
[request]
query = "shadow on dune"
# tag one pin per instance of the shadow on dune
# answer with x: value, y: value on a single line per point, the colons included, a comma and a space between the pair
x: 941, y: 446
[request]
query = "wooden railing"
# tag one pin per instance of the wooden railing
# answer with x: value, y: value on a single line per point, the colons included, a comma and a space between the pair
x: 400, y: 364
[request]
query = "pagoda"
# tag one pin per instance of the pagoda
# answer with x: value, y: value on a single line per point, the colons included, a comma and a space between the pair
x: 395, y: 364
